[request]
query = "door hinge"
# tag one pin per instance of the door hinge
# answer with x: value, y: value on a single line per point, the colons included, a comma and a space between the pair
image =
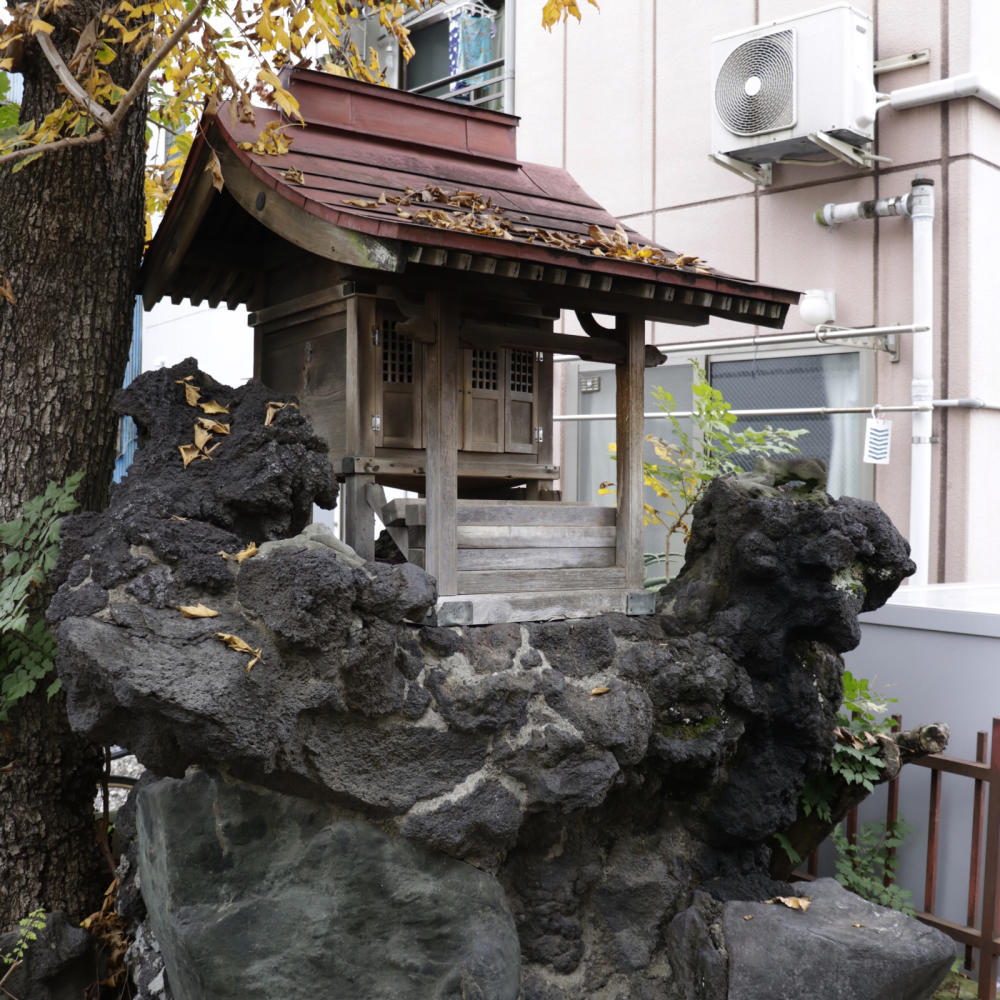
x: 539, y: 435
x: 376, y: 422
x: 376, y: 336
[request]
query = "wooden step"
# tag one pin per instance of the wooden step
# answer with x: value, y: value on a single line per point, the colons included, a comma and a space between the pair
x: 537, y: 606
x: 503, y: 513
x: 527, y: 559
x: 513, y: 581
x: 529, y: 536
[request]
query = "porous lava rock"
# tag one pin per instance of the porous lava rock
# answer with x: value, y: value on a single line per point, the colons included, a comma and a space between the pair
x: 601, y: 770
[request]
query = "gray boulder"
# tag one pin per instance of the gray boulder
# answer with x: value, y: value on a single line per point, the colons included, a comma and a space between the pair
x: 841, y: 948
x: 253, y: 893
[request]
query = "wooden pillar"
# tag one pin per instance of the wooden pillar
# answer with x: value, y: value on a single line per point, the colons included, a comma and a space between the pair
x: 543, y: 417
x: 357, y: 521
x: 630, y: 432
x: 441, y: 429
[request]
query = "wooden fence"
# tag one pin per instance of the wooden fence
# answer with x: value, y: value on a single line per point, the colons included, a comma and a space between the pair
x: 983, y: 896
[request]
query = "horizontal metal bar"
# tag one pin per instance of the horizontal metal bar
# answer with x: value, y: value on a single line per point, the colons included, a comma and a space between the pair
x: 794, y: 411
x: 821, y: 334
x: 455, y: 77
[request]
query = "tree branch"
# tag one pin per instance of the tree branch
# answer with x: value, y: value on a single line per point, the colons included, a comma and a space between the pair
x: 50, y: 147
x: 73, y: 88
x: 161, y: 53
x: 108, y: 121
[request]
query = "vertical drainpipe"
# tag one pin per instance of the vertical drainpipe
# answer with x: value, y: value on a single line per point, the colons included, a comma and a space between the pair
x: 922, y: 386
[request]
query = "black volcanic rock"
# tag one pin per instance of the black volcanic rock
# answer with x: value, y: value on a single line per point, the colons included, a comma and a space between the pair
x: 600, y: 770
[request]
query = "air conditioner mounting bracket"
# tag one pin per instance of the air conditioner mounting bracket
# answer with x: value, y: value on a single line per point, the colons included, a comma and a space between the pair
x: 854, y: 155
x: 756, y: 173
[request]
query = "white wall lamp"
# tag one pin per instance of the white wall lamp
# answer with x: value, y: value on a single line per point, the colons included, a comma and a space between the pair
x: 818, y: 306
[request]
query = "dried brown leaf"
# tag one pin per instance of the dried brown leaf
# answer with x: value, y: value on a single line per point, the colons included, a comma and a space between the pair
x: 294, y: 176
x: 792, y: 902
x: 239, y: 645
x: 213, y: 407
x: 215, y: 169
x: 189, y: 452
x: 197, y: 611
x: 601, y: 689
x: 177, y: 517
x: 201, y: 437
x: 212, y: 425
x: 273, y: 409
x: 191, y: 392
x: 6, y: 290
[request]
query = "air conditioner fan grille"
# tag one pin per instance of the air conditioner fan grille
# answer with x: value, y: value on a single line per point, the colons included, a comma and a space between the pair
x: 755, y: 88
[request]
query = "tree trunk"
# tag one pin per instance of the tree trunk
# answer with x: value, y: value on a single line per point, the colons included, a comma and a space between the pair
x: 895, y: 750
x: 70, y: 244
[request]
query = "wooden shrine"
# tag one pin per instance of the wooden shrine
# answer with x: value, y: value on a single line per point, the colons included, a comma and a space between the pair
x: 404, y: 274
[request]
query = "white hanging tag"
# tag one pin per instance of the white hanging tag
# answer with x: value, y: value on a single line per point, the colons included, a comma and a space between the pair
x: 877, y: 440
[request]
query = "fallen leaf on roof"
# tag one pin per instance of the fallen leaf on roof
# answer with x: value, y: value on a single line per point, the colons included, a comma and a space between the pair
x: 197, y: 611
x: 294, y: 176
x: 360, y: 203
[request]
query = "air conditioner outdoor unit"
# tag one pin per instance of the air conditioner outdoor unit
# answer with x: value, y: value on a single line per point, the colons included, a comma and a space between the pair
x: 781, y: 90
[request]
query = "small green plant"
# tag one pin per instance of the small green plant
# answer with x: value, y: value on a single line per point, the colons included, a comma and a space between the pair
x: 31, y: 547
x: 688, y: 462
x: 868, y: 866
x: 28, y: 929
x: 862, y: 719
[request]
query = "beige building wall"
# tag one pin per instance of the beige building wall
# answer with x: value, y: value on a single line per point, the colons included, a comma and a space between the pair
x: 622, y: 100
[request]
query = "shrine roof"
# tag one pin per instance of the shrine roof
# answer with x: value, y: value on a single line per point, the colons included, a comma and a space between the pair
x: 390, y: 181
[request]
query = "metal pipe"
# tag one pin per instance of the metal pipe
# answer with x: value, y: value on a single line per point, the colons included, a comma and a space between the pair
x: 822, y: 334
x: 949, y: 89
x: 832, y: 215
x: 922, y: 385
x: 801, y: 411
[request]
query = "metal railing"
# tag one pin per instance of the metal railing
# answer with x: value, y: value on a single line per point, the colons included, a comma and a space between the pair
x: 984, y: 866
x: 465, y: 94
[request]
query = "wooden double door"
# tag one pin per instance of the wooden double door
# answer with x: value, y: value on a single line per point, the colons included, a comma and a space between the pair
x: 497, y: 405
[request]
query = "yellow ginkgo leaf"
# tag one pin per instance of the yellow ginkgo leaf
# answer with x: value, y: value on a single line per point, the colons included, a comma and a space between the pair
x: 212, y: 425
x: 191, y: 392
x: 215, y: 169
x: 244, y: 554
x: 201, y: 436
x: 273, y: 409
x: 239, y: 645
x: 213, y: 407
x: 197, y: 611
x: 189, y: 452
x: 792, y: 902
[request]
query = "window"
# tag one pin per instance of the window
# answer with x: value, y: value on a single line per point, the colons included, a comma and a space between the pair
x: 808, y: 379
x: 460, y: 53
x: 804, y: 381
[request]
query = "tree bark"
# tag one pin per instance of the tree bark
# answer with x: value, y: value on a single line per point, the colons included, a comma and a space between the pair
x: 895, y: 750
x: 71, y: 230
